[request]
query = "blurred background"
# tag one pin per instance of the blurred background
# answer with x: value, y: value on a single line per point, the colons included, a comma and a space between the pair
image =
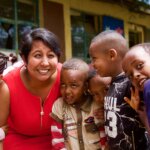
x: 75, y: 22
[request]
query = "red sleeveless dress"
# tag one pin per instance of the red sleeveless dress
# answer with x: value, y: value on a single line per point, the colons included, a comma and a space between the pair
x: 28, y: 128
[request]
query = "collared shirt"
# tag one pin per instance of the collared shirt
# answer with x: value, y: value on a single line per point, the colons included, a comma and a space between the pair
x: 80, y: 127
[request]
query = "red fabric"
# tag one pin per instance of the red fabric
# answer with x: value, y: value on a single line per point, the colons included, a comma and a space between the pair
x: 103, y: 138
x: 25, y: 131
x: 57, y: 136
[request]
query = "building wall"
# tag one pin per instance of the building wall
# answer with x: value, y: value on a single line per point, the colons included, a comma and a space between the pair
x: 132, y: 21
x: 56, y: 16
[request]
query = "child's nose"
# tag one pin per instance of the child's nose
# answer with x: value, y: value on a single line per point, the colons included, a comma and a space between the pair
x: 67, y: 90
x: 136, y: 74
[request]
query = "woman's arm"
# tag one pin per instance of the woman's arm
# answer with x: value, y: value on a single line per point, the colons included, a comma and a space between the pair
x: 4, y: 128
x: 1, y: 145
x: 4, y: 107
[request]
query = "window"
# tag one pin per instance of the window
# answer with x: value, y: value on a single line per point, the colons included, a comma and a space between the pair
x: 83, y: 28
x: 134, y: 38
x: 16, y: 17
x: 136, y: 34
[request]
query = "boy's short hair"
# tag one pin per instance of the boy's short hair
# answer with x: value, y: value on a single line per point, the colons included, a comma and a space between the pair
x: 112, y: 40
x: 145, y: 46
x: 76, y: 64
x: 3, y: 62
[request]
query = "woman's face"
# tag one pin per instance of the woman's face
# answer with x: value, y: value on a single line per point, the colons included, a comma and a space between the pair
x: 42, y: 61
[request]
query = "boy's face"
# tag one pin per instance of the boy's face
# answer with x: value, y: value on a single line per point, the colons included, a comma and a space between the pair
x: 136, y: 65
x: 98, y: 87
x: 73, y: 85
x: 99, y: 59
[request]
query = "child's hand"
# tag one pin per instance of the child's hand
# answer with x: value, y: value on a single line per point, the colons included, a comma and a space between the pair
x: 99, y: 113
x: 134, y: 102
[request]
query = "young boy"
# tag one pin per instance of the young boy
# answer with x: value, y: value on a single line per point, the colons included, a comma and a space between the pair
x: 75, y: 110
x: 136, y: 65
x: 98, y: 87
x: 122, y: 123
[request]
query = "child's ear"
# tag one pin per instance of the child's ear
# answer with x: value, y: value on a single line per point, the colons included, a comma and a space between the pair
x: 112, y: 53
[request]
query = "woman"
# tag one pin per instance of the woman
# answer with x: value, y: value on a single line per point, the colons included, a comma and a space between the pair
x: 29, y: 92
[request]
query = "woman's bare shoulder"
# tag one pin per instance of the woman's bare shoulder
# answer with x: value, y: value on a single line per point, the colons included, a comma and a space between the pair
x: 4, y: 90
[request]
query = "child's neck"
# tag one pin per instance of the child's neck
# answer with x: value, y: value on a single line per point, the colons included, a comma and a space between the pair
x: 79, y: 103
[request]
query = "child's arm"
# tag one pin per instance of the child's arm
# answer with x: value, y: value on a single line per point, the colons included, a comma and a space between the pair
x: 99, y: 113
x: 135, y: 102
x: 103, y: 138
x: 58, y: 142
x: 57, y: 136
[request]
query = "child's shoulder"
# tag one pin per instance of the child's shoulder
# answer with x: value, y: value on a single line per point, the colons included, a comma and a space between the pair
x: 57, y: 109
x: 147, y: 84
x: 58, y: 102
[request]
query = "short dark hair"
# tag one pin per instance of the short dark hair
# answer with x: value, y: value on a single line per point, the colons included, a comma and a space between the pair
x: 92, y: 73
x: 76, y: 64
x: 145, y: 46
x: 42, y: 34
x: 112, y: 39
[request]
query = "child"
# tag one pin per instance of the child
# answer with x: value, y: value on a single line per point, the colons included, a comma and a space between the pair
x: 75, y: 110
x: 136, y: 65
x: 122, y: 123
x: 98, y: 87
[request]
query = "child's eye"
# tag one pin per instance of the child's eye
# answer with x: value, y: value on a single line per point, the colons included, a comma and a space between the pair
x: 139, y: 66
x: 62, y: 85
x: 73, y: 85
